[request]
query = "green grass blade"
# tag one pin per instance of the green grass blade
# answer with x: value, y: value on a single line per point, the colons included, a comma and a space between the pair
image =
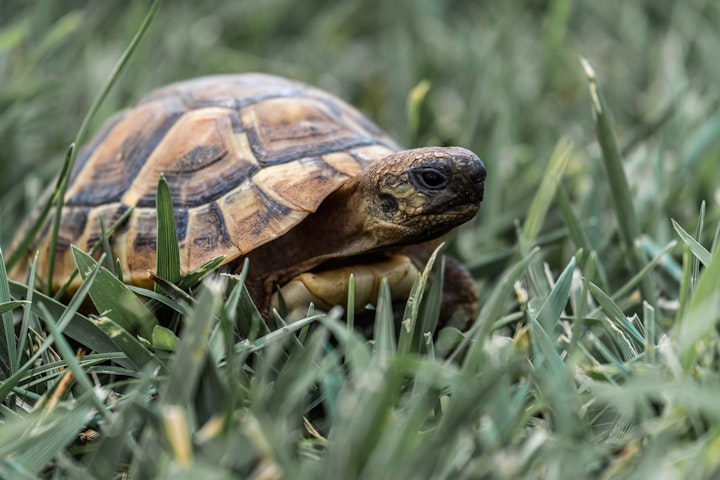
x: 549, y: 314
x: 112, y: 298
x: 384, y: 331
x: 32, y: 442
x: 107, y: 251
x: 137, y: 354
x: 96, y: 248
x: 545, y: 193
x: 65, y: 317
x: 62, y: 184
x: 23, y: 245
x: 691, y: 266
x: 58, y: 200
x: 66, y: 353
x: 617, y: 180
x: 79, y: 328
x: 702, y: 315
x: 415, y: 101
x: 12, y: 305
x: 429, y: 315
x: 27, y: 311
x: 194, y: 277
x: 696, y: 248
x: 411, y: 330
x: 615, y: 314
x: 191, y: 354
x: 247, y: 346
x: 650, y: 322
x: 168, y: 250
x: 579, y: 236
x: 581, y: 303
x: 491, y: 310
x: 8, y: 341
x: 613, y: 162
x: 640, y: 275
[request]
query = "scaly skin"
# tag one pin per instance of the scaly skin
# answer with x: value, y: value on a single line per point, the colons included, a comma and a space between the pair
x: 411, y: 197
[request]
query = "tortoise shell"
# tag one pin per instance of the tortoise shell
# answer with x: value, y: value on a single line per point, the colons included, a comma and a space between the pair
x: 246, y: 157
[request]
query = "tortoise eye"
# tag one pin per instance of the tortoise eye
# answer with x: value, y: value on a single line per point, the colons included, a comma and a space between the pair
x: 430, y: 178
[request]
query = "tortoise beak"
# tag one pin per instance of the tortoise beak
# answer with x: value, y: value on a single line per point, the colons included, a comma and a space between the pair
x: 465, y: 181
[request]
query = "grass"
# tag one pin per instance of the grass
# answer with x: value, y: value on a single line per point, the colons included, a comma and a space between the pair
x: 595, y: 351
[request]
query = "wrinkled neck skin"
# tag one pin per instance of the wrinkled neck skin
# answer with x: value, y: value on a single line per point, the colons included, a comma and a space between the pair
x: 337, y: 229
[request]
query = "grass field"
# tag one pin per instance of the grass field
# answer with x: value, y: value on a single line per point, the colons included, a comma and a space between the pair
x: 595, y: 350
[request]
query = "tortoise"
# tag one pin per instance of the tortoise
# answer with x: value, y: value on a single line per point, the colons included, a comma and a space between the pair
x: 271, y: 170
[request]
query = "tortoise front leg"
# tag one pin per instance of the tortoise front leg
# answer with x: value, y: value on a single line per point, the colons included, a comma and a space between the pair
x: 328, y: 288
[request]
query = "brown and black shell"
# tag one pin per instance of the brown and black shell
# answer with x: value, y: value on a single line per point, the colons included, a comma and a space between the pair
x: 247, y: 157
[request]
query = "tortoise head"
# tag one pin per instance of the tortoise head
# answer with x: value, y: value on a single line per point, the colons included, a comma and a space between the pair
x: 417, y: 195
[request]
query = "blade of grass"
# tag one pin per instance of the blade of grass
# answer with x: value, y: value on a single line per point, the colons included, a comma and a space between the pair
x: 95, y: 248
x: 617, y: 180
x: 700, y: 252
x: 137, y: 354
x: 66, y: 315
x: 8, y: 341
x: 702, y: 314
x: 384, y: 331
x: 79, y: 328
x: 189, y: 355
x: 62, y: 183
x: 429, y: 315
x: 579, y: 236
x: 66, y: 353
x: 27, y: 311
x: 491, y: 310
x: 105, y: 242
x: 12, y: 305
x: 29, y: 444
x: 691, y: 267
x: 168, y: 250
x: 194, y: 277
x: 415, y: 100
x: 638, y: 277
x: 112, y: 298
x: 49, y: 199
x: 549, y: 314
x: 546, y: 192
x: 247, y: 346
x: 614, y: 313
x: 410, y: 332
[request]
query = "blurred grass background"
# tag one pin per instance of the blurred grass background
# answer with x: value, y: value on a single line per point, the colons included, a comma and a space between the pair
x: 505, y: 80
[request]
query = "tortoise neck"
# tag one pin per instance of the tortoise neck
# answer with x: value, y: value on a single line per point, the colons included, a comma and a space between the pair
x: 337, y: 229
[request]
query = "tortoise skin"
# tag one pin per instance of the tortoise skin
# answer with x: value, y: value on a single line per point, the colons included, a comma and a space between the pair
x: 246, y: 157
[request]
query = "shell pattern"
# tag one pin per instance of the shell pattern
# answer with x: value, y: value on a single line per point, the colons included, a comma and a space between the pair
x: 247, y: 157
